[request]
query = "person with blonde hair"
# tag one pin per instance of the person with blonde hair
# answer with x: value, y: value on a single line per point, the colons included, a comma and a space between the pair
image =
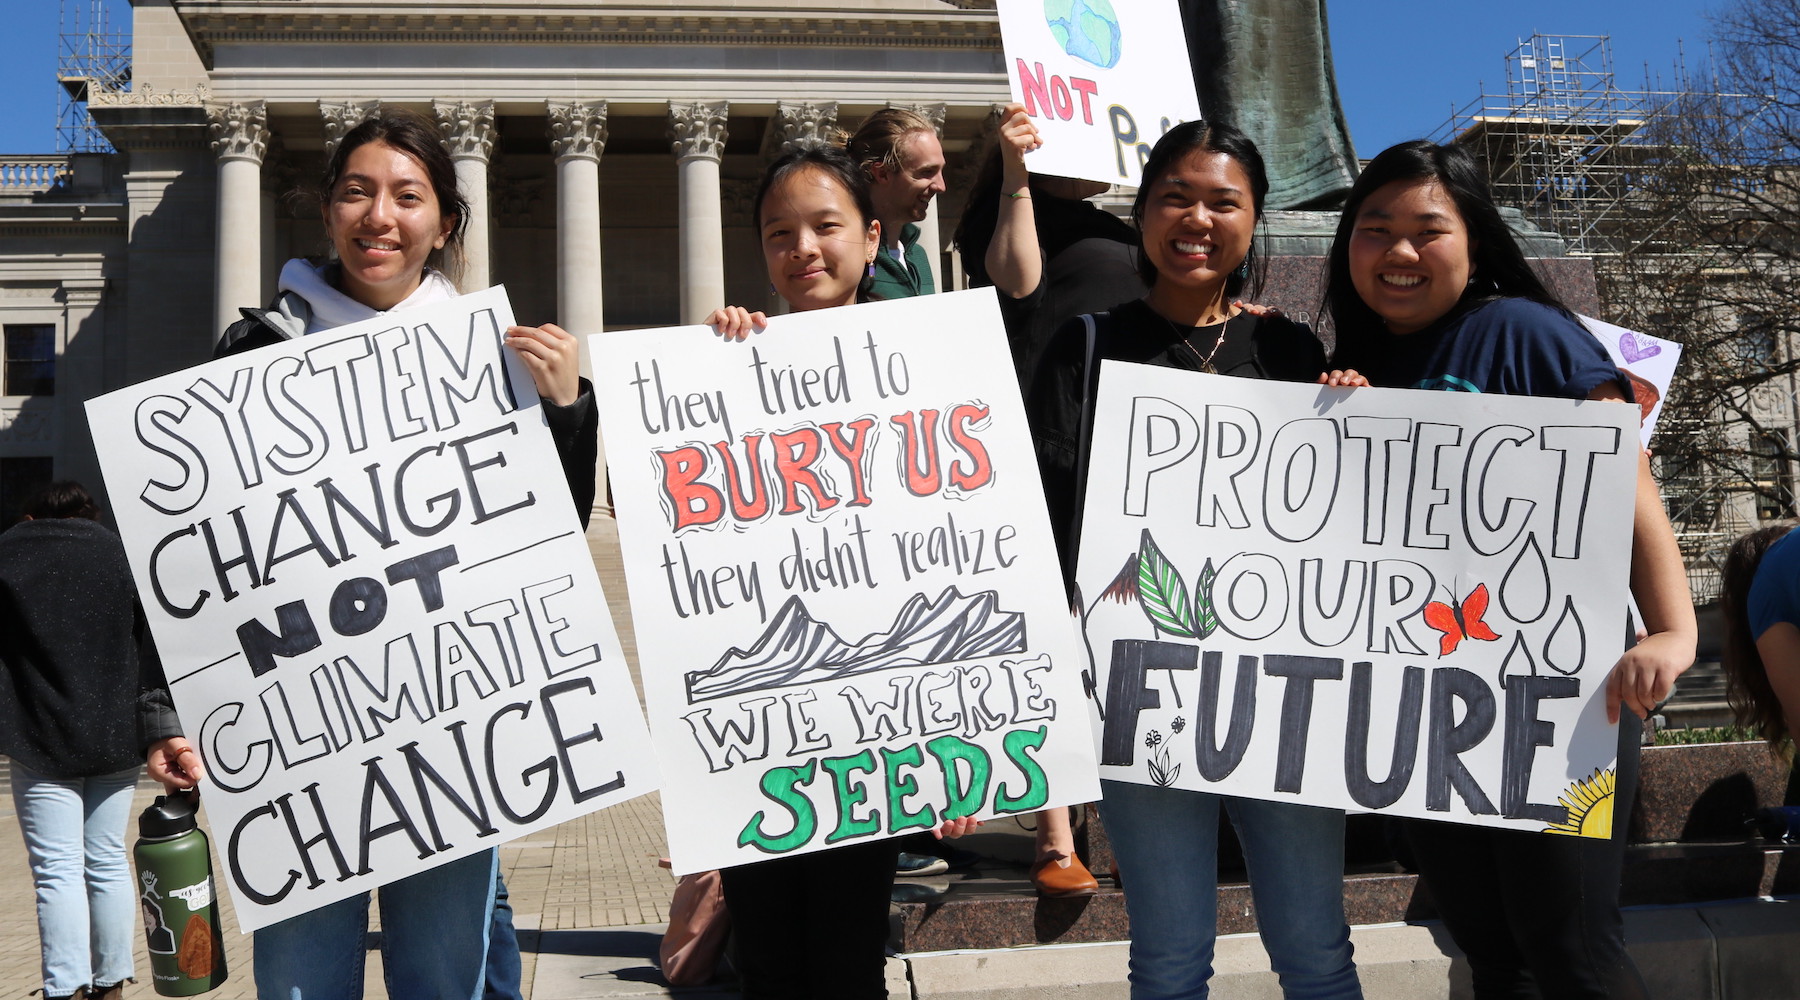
x: 899, y: 152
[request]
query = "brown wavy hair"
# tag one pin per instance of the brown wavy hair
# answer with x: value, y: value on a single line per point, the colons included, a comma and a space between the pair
x: 1747, y: 685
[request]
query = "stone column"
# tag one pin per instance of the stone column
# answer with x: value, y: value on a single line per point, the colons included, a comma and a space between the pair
x: 929, y: 237
x: 341, y: 118
x: 577, y: 138
x: 799, y: 123
x: 468, y: 129
x: 240, y: 135
x: 697, y: 138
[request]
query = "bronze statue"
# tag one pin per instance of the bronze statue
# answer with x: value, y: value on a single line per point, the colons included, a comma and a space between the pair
x: 1265, y: 66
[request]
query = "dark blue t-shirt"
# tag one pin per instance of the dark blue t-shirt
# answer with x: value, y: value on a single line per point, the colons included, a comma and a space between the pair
x: 1515, y: 347
x: 1775, y: 592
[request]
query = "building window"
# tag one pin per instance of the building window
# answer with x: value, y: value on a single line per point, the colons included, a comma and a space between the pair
x: 1771, y: 476
x: 30, y: 360
x: 19, y: 479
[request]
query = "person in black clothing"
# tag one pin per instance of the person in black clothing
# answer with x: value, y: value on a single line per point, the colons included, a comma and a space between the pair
x: 73, y: 647
x: 1197, y: 212
x: 1034, y: 237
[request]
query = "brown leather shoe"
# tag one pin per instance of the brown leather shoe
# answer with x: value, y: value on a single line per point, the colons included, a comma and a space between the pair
x: 1057, y: 877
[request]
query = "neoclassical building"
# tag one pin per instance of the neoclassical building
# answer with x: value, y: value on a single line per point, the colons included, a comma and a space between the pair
x: 608, y: 149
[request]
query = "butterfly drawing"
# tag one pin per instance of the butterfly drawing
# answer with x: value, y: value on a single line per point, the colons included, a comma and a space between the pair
x: 1460, y: 620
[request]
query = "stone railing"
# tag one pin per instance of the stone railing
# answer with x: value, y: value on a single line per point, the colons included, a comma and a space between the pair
x: 32, y: 174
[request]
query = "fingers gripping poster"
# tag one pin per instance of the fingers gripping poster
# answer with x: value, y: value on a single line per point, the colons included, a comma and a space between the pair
x: 374, y: 602
x: 1101, y: 80
x: 1372, y: 599
x: 845, y: 594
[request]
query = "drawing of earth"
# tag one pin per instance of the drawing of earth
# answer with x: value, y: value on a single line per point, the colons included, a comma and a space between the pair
x: 1086, y: 29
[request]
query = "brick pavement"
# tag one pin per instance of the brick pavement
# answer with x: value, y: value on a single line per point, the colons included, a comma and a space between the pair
x: 595, y: 872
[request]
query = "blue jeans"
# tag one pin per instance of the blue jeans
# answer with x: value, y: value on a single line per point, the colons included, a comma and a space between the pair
x: 504, y: 967
x: 434, y: 936
x: 1167, y: 843
x: 74, y: 832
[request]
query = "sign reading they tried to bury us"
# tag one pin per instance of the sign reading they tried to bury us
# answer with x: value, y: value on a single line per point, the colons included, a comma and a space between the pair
x: 1373, y: 599
x: 373, y: 600
x: 843, y: 585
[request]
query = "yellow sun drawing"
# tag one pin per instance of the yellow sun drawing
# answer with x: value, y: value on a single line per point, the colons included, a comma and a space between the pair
x: 1590, y: 805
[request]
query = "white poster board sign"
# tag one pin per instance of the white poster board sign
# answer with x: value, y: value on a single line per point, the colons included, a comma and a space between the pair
x: 374, y: 602
x: 1372, y: 599
x: 843, y: 584
x: 1101, y: 80
x: 1650, y: 363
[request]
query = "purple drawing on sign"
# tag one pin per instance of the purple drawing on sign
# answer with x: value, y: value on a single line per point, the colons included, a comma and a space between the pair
x: 1636, y: 347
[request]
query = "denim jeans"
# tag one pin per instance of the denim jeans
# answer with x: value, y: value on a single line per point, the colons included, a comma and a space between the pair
x: 74, y: 831
x: 504, y: 968
x: 1167, y: 843
x: 434, y: 936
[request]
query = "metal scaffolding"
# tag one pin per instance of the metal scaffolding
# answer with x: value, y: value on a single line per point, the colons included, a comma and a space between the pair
x: 92, y: 55
x: 1564, y: 143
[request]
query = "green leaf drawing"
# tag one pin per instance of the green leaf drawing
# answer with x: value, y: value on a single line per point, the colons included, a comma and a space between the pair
x: 1208, y: 619
x: 1160, y: 590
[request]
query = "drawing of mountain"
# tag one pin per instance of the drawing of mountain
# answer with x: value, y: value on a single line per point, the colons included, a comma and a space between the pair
x: 798, y: 649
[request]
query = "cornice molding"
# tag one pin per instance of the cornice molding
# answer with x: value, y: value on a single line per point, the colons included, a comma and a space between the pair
x: 209, y: 29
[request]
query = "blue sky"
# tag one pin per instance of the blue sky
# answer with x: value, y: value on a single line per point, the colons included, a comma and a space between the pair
x: 1402, y: 64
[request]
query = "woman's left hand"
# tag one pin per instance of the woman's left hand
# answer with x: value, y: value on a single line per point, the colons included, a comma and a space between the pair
x: 1349, y: 378
x: 553, y: 357
x: 955, y: 827
x: 1646, y: 674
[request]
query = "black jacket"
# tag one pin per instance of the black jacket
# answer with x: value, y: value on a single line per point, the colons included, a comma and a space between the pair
x: 74, y: 649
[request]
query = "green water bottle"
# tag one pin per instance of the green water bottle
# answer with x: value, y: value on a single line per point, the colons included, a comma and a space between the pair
x: 181, y: 918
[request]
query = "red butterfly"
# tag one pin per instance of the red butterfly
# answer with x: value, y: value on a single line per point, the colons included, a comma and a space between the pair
x: 1460, y: 620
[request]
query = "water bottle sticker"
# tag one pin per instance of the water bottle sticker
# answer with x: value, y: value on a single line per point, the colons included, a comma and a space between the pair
x: 196, y: 896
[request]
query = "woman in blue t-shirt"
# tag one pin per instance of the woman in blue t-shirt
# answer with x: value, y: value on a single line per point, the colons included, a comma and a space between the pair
x: 1429, y: 290
x: 1760, y: 599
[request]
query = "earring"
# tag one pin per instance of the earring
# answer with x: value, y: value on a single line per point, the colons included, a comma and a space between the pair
x: 1243, y: 269
x: 871, y: 267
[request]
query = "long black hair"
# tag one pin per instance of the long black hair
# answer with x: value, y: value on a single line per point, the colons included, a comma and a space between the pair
x: 1498, y: 265
x: 1183, y: 141
x: 1747, y: 686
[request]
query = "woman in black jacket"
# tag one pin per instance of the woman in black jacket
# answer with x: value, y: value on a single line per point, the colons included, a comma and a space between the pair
x: 72, y: 643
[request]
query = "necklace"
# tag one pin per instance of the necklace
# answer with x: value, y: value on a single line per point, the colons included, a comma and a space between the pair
x: 1206, y: 361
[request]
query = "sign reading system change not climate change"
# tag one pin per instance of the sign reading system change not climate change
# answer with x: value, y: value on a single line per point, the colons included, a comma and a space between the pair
x: 374, y: 602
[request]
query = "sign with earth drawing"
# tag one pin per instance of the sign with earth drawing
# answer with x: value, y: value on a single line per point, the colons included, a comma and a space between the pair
x: 848, y: 611
x: 374, y: 602
x: 1102, y: 80
x: 1373, y: 599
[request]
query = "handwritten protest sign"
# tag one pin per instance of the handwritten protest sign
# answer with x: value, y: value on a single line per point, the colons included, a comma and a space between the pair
x: 843, y: 583
x: 1102, y: 81
x: 1650, y: 363
x: 374, y: 602
x: 1373, y: 599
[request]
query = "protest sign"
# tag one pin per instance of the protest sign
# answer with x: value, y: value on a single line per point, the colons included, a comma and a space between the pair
x: 373, y: 600
x: 1102, y: 81
x: 843, y: 585
x: 1373, y: 599
x: 1648, y: 361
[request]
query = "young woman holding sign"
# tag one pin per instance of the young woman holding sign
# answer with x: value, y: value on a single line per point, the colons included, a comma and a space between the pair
x: 1196, y: 213
x: 1429, y: 290
x: 391, y: 209
x: 814, y: 926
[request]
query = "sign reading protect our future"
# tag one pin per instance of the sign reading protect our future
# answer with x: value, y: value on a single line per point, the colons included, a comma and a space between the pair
x: 1373, y: 599
x: 846, y: 598
x: 374, y: 602
x: 1101, y: 80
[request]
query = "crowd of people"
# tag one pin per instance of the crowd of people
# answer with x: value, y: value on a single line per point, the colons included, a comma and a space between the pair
x: 1426, y: 287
